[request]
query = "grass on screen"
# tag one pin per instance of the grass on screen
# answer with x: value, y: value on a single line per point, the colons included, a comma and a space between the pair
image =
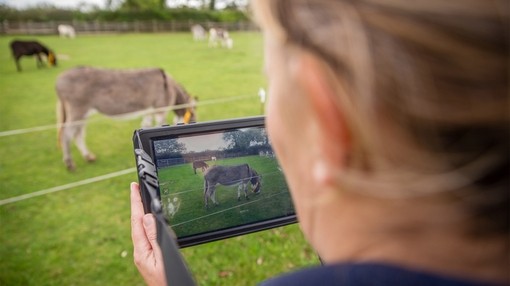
x: 183, y: 197
x: 81, y: 236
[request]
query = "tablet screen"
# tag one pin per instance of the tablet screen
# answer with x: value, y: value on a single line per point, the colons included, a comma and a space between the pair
x: 220, y: 181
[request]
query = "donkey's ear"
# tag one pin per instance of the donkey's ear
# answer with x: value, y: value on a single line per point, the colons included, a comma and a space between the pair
x: 320, y: 86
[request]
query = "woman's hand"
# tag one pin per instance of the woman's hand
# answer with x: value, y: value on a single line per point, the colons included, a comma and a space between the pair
x: 147, y: 254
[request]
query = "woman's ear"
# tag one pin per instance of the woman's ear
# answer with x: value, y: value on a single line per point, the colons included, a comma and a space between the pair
x: 320, y: 88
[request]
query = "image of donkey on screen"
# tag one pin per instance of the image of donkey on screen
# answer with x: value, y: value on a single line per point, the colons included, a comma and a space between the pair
x: 216, y: 179
x: 230, y: 175
x: 203, y: 173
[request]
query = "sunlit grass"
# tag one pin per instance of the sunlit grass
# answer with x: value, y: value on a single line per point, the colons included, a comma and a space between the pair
x: 81, y: 236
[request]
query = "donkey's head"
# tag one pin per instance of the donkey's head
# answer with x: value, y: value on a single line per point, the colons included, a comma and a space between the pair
x: 52, y: 59
x: 187, y: 114
x: 190, y: 116
x: 255, y: 182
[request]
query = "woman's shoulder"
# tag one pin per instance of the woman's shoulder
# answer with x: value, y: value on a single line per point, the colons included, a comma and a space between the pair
x: 367, y: 274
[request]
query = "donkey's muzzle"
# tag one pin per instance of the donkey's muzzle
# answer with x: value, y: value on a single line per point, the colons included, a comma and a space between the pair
x: 256, y: 189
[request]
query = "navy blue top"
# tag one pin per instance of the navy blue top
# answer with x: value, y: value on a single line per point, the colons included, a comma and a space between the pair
x: 361, y: 274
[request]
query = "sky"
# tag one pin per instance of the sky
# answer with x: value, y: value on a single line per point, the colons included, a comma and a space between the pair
x: 58, y: 3
x: 213, y: 141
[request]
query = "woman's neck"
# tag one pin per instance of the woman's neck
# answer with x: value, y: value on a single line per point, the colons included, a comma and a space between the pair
x: 428, y: 236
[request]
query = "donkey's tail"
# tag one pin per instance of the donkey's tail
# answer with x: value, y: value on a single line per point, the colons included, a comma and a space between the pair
x: 61, y: 118
x: 169, y: 92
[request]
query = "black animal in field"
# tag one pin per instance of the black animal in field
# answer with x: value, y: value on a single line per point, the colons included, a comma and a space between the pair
x: 32, y: 48
x: 199, y: 165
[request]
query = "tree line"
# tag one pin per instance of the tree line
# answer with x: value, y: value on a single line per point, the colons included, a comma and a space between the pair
x: 133, y: 10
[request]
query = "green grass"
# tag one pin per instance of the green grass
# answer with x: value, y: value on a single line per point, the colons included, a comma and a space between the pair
x: 81, y: 236
x: 187, y: 192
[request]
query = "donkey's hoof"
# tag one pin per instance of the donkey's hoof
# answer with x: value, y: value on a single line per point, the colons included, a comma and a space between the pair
x: 70, y: 166
x: 90, y: 158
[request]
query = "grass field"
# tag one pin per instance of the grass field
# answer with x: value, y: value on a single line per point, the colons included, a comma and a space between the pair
x: 81, y: 235
x: 187, y: 192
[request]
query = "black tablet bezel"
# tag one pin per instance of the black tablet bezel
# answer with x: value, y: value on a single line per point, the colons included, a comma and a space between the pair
x: 143, y: 138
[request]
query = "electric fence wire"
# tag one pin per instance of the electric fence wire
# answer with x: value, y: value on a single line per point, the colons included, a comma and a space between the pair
x: 129, y: 115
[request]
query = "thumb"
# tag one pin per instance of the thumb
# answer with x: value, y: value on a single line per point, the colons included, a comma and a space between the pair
x: 149, y: 224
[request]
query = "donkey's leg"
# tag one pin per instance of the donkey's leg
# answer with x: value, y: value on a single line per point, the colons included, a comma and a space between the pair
x: 82, y: 146
x: 39, y: 60
x: 242, y: 186
x: 74, y: 127
x: 160, y: 118
x: 239, y: 191
x: 213, y: 195
x: 245, y: 189
x: 209, y: 193
x: 66, y: 137
x: 18, y: 66
x: 147, y: 120
x: 178, y: 119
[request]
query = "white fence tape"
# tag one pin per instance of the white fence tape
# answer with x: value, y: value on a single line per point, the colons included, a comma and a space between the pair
x: 124, y: 116
x: 107, y: 176
x: 67, y: 186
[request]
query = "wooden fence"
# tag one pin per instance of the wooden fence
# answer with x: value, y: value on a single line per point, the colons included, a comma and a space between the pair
x: 95, y: 27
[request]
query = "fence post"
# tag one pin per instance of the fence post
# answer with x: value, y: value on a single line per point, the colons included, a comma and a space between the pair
x: 5, y: 27
x: 53, y: 27
x: 96, y: 26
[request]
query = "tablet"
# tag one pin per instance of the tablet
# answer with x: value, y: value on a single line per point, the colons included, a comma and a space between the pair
x: 216, y: 179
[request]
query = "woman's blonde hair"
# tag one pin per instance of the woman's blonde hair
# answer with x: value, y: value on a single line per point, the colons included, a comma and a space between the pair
x: 429, y: 101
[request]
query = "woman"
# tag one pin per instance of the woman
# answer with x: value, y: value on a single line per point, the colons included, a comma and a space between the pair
x: 390, y: 120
